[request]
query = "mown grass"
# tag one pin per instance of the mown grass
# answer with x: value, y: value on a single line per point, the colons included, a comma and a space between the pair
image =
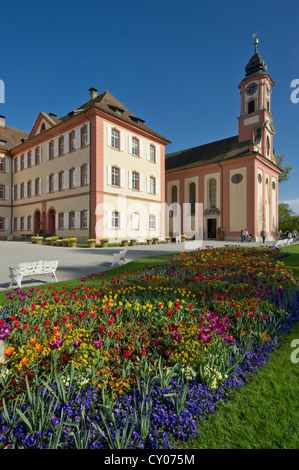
x: 261, y: 415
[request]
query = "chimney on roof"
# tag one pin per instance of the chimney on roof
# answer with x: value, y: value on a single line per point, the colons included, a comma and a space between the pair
x: 2, y: 121
x: 93, y: 93
x: 53, y: 115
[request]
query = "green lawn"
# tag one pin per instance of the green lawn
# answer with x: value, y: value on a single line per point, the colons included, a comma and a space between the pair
x: 292, y: 261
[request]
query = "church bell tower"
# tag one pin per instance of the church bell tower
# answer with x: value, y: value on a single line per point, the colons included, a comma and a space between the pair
x: 256, y: 120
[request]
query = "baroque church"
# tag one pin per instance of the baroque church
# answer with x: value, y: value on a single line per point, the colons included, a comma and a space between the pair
x: 235, y: 179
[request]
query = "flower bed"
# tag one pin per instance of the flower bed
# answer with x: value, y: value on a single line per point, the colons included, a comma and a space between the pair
x: 135, y: 362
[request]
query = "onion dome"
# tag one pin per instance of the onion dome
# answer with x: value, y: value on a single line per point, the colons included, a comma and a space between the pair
x: 256, y: 64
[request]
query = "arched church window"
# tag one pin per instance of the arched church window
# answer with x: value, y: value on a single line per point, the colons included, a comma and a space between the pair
x: 192, y: 198
x: 212, y: 193
x: 251, y: 106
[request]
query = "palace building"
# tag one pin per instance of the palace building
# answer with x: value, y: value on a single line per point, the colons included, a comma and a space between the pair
x: 100, y: 172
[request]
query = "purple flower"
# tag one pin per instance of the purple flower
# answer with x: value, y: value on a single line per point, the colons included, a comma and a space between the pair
x: 98, y: 343
x: 77, y: 343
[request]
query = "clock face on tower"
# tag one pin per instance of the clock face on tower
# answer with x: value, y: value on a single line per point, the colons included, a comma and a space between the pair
x: 251, y: 88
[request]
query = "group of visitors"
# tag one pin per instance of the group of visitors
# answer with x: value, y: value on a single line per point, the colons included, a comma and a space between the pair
x: 288, y: 234
x: 245, y: 237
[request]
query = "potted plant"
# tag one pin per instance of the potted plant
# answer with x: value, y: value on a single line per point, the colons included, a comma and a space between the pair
x: 132, y: 242
x: 48, y: 240
x: 33, y: 239
x: 91, y: 242
x: 168, y: 239
x: 54, y: 241
x: 149, y: 241
x: 38, y: 240
x: 104, y: 242
x: 155, y: 241
x: 65, y: 242
x: 183, y: 238
x: 73, y: 241
x: 124, y: 243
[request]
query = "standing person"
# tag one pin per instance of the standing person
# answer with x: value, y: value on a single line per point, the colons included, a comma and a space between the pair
x: 245, y: 235
x: 263, y: 235
x: 242, y: 235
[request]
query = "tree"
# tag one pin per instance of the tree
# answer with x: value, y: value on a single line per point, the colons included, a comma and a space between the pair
x: 285, y: 175
x: 288, y: 220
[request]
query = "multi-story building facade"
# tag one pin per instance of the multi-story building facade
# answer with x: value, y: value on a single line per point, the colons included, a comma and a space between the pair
x: 97, y: 172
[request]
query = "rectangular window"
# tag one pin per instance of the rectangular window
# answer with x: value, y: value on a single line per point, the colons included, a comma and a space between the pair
x: 72, y: 141
x: 29, y: 222
x: 1, y: 223
x: 152, y: 222
x: 84, y: 136
x: 29, y: 192
x: 51, y: 150
x: 61, y: 181
x: 2, y: 164
x: 114, y: 139
x: 51, y: 183
x: 37, y: 155
x: 115, y: 176
x: 135, y: 180
x: 72, y: 219
x: 61, y: 220
x: 16, y: 165
x: 37, y: 186
x: 22, y: 223
x: 115, y: 219
x: 2, y: 192
x: 135, y: 147
x: 29, y: 159
x: 61, y: 145
x: 152, y: 154
x: 84, y: 175
x: 84, y: 221
x: 72, y: 178
x: 22, y: 162
x: 152, y: 185
x: 22, y: 191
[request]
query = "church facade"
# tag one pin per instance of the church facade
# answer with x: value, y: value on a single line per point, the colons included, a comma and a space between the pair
x: 235, y: 179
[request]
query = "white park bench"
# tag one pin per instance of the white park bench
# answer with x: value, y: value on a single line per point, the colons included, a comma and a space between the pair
x: 118, y: 258
x: 140, y: 240
x: 31, y: 268
x: 162, y: 240
x: 279, y: 243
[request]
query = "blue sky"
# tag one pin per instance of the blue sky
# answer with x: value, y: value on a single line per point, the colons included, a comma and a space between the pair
x: 174, y: 63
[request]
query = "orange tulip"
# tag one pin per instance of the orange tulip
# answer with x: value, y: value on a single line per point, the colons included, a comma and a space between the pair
x: 24, y: 361
x: 9, y: 351
x: 33, y: 341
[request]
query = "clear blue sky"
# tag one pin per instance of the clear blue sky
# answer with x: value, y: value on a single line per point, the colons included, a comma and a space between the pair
x: 175, y: 63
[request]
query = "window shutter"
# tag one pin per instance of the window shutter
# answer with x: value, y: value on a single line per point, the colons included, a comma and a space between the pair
x: 6, y: 193
x: 122, y: 178
x: 87, y: 216
x: 122, y: 219
x: 25, y: 223
x: 77, y: 219
x: 25, y: 190
x: 148, y: 151
x: 157, y: 153
x: 56, y: 221
x: 56, y: 148
x: 88, y: 133
x: 140, y: 148
x: 25, y: 160
x: 130, y: 144
x: 40, y: 186
x: 66, y: 220
x: 109, y: 136
x: 6, y: 224
x: 109, y: 180
x: 109, y: 219
x: 130, y: 179
x: 32, y: 188
x: 7, y: 165
x: 66, y: 179
x: 147, y: 222
x: 78, y: 138
x: 135, y: 221
x: 141, y: 182
x: 157, y: 185
x: 78, y: 176
x: 18, y: 191
x: 40, y: 153
x: 122, y: 141
x: 47, y: 184
x: 47, y: 151
x: 66, y: 143
x: 56, y: 182
x: 18, y: 223
x: 87, y: 170
x: 148, y: 182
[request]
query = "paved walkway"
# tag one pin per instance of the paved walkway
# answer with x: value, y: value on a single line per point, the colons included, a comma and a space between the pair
x: 78, y: 262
